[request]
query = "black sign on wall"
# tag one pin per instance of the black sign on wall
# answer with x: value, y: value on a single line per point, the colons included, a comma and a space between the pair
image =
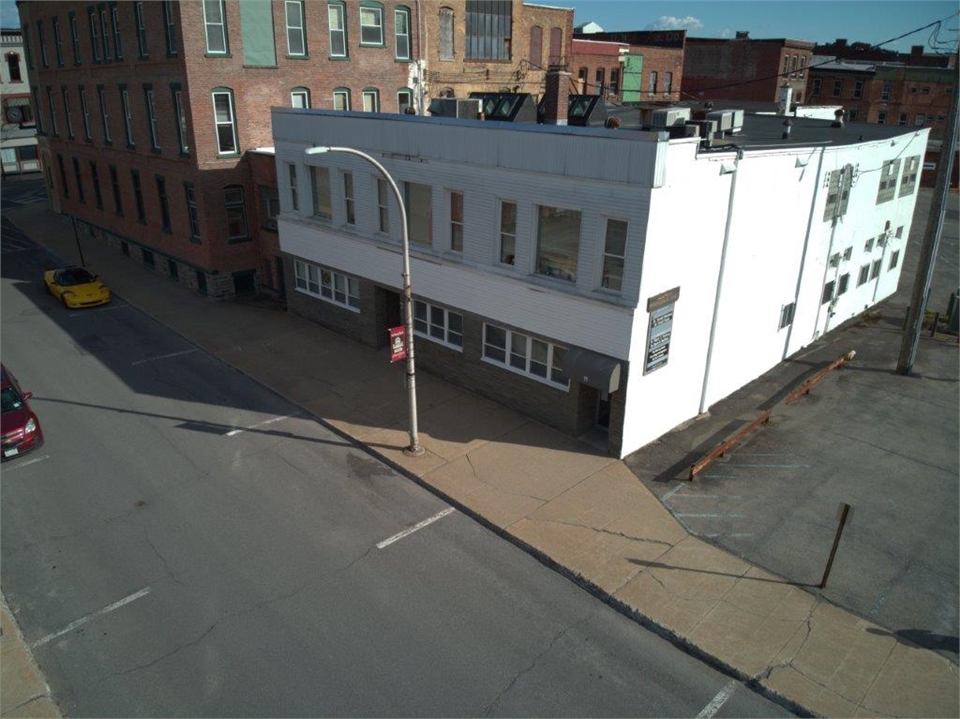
x: 659, y: 330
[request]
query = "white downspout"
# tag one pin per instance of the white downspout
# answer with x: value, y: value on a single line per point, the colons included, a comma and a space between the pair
x: 421, y: 42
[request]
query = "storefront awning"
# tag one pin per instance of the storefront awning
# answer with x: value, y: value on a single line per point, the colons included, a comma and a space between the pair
x: 592, y: 369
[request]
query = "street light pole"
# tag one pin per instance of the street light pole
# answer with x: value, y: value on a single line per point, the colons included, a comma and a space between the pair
x: 414, y: 448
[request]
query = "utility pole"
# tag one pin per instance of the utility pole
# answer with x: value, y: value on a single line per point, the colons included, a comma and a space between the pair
x: 931, y: 243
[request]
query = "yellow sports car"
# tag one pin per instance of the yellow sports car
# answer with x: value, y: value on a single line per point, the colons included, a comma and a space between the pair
x: 76, y: 287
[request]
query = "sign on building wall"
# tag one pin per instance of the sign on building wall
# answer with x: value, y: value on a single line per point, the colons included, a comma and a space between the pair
x: 660, y: 308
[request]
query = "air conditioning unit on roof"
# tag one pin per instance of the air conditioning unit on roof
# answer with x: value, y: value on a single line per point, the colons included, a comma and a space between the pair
x: 669, y: 117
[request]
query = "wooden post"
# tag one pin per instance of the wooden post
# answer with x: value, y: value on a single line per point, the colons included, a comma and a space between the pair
x: 843, y: 514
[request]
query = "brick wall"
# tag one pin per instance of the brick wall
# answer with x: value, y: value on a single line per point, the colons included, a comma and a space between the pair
x: 742, y: 69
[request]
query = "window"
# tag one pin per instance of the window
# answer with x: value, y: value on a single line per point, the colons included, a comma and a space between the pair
x: 882, y: 117
x: 164, y: 203
x: 371, y: 100
x: 652, y: 87
x: 489, y: 28
x: 615, y: 81
x: 864, y: 275
x: 383, y: 209
x: 868, y: 246
x: 95, y: 176
x: 858, y: 88
x: 456, y: 221
x: 181, y: 119
x: 236, y: 213
x: 525, y: 355
x: 844, y: 281
x: 296, y: 38
x: 141, y: 29
x: 803, y: 65
x: 852, y: 115
x: 26, y: 45
x: 827, y: 292
x: 215, y: 24
x: 66, y: 110
x: 508, y: 232
x: 371, y: 26
x: 614, y: 250
x: 43, y: 44
x: 848, y: 253
x: 105, y: 29
x: 786, y: 315
x: 404, y: 100
x: 115, y: 22
x: 417, y: 199
x: 193, y: 218
x: 885, y: 91
x: 536, y: 46
x: 437, y: 324
x: 327, y: 284
x: 225, y: 122
x: 115, y: 185
x: 294, y: 196
x: 903, y: 119
x: 170, y: 27
x: 837, y: 87
x: 104, y: 115
x: 270, y: 206
x: 598, y: 83
x: 148, y: 259
x: 138, y: 196
x: 300, y: 97
x: 85, y: 112
x: 127, y: 116
x: 558, y: 242
x: 13, y: 67
x: 348, y: 199
x: 63, y: 176
x: 152, y: 118
x: 94, y: 34
x: 920, y: 120
x: 925, y: 90
x: 75, y: 37
x: 57, y: 41
x: 54, y: 128
x: 341, y: 99
x: 36, y: 102
x: 908, y: 181
x: 838, y: 192
x: 816, y: 86
x: 320, y: 186
x: 556, y: 46
x: 894, y: 259
x: 338, y: 30
x: 667, y: 83
x: 875, y: 269
x: 76, y: 176
x: 446, y: 34
x: 401, y: 31
x: 888, y: 181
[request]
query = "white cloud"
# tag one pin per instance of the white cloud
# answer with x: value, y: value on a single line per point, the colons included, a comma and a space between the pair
x: 668, y: 22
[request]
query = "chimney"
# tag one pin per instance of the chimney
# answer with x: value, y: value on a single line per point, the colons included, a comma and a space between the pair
x: 743, y: 34
x: 556, y: 95
x: 916, y: 51
x: 841, y: 42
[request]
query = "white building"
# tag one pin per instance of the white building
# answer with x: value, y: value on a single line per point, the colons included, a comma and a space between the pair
x: 592, y: 277
x: 18, y: 131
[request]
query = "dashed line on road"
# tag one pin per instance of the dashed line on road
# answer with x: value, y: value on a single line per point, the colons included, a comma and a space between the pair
x: 231, y: 433
x: 415, y: 527
x: 160, y: 357
x: 710, y: 516
x: 711, y: 709
x: 83, y: 620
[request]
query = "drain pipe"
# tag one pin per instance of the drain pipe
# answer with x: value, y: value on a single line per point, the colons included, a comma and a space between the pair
x: 421, y: 42
x: 723, y: 264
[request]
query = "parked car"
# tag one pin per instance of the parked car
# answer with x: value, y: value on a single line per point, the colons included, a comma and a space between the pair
x: 20, y: 427
x: 76, y: 287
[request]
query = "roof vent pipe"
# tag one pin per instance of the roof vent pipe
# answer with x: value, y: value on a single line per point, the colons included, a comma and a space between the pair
x: 838, y: 118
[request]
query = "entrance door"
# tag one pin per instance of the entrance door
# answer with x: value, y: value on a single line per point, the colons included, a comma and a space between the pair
x: 603, y: 413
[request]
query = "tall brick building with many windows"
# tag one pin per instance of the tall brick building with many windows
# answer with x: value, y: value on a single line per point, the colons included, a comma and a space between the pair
x: 150, y: 114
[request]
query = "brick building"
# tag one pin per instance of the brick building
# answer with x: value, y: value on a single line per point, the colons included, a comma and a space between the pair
x: 745, y: 69
x: 646, y: 65
x: 150, y: 114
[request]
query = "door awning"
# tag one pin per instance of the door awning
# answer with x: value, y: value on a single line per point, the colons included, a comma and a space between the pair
x: 592, y: 369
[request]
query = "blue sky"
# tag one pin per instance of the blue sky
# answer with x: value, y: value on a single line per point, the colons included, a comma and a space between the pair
x: 870, y: 21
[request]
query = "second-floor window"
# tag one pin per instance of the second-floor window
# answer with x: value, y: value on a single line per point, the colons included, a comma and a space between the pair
x: 234, y: 202
x: 371, y: 26
x: 105, y: 30
x: 215, y: 24
x: 614, y: 251
x: 181, y: 119
x: 885, y: 91
x: 43, y: 44
x: 170, y: 27
x: 152, y: 118
x: 653, y: 82
x: 858, y: 88
x: 104, y: 114
x: 66, y: 111
x: 294, y: 193
x: 141, y: 29
x: 115, y: 22
x: 320, y: 187
x: 127, y: 116
x: 558, y: 242
x: 371, y: 100
x: 225, y: 121
x: 418, y: 199
x: 837, y: 87
x: 508, y: 232
x: 341, y: 99
x: 54, y: 128
x: 75, y: 38
x: 85, y: 114
x: 338, y: 30
x: 456, y: 221
x: 300, y: 97
x: 401, y: 25
x: 383, y: 209
x: 58, y: 41
x: 296, y: 39
x: 94, y: 34
x: 348, y: 201
x: 488, y: 30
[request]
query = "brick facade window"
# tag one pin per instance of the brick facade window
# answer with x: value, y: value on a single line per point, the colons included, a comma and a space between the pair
x: 296, y: 36
x: 141, y: 29
x: 371, y: 24
x: 193, y: 217
x: 235, y: 204
x: 536, y: 46
x: 57, y: 41
x: 489, y: 28
x: 300, y: 97
x: 215, y: 27
x: 75, y: 37
x: 170, y: 27
x: 401, y: 32
x: 225, y: 121
x: 447, y: 48
x: 341, y: 98
x: 336, y: 17
x: 371, y: 99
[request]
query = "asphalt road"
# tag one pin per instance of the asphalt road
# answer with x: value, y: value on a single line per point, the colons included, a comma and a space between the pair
x: 185, y: 545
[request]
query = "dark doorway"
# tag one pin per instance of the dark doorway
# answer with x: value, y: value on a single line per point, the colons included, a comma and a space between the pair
x: 244, y: 283
x: 388, y: 313
x: 603, y: 413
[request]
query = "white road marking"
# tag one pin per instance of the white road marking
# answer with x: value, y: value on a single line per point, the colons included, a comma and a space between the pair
x: 710, y: 710
x: 83, y: 620
x: 160, y: 357
x: 415, y: 527
x: 774, y: 466
x: 254, y: 426
x: 21, y: 465
x: 673, y: 491
x: 712, y: 496
x: 711, y: 516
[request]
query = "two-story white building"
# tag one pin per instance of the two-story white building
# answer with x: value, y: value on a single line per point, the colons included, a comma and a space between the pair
x: 610, y: 278
x: 18, y: 131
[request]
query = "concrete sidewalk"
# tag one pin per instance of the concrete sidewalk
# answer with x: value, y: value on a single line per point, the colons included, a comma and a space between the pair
x: 581, y: 512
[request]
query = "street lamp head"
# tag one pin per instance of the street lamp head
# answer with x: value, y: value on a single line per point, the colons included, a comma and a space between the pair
x: 317, y: 150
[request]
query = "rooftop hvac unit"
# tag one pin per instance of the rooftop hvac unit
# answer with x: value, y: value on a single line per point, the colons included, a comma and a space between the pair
x: 669, y: 117
x: 455, y: 107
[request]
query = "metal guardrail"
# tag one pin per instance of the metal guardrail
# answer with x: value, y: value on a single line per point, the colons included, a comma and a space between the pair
x: 727, y: 444
x: 818, y: 377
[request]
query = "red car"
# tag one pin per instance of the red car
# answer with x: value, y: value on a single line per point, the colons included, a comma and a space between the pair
x: 20, y: 427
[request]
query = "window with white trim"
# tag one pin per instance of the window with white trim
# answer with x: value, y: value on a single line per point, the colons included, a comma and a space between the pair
x: 300, y: 98
x: 334, y: 287
x: 614, y: 251
x: 141, y: 29
x: 57, y: 41
x: 418, y: 200
x: 383, y: 209
x: 558, y: 242
x: 75, y: 38
x: 235, y: 204
x: 508, y: 232
x: 525, y: 355
x: 371, y: 26
x: 371, y: 100
x: 105, y: 30
x: 270, y: 202
x: 401, y: 29
x: 888, y: 181
x: 104, y: 115
x: 456, y: 221
x: 85, y: 111
x: 127, y: 116
x: 438, y: 324
x: 341, y: 99
x: 404, y: 100
x: 181, y: 119
x: 348, y: 199
x: 225, y: 122
x: 296, y: 38
x: 294, y: 195
x: 66, y: 110
x: 215, y: 25
x: 115, y: 23
x: 94, y: 34
x: 338, y: 30
x: 170, y: 26
x: 320, y: 187
x: 193, y: 217
x: 908, y: 181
